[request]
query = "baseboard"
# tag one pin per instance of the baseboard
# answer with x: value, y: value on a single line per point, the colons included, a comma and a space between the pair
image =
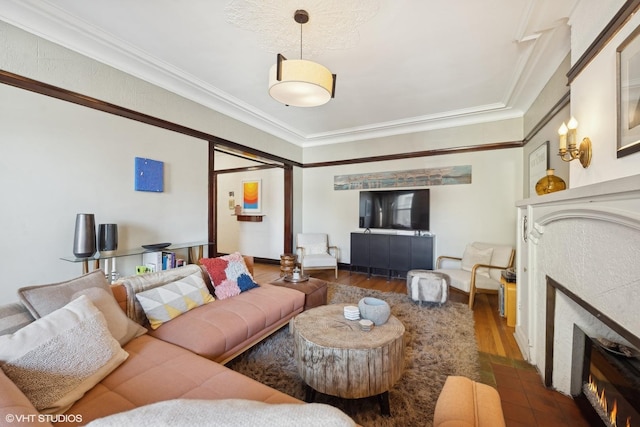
x: 523, y: 344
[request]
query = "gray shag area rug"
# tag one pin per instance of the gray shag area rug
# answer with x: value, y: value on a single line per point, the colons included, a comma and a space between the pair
x: 440, y: 342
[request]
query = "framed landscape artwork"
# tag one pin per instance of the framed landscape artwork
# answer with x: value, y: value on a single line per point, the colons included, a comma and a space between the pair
x: 538, y: 165
x: 628, y: 91
x: 252, y: 196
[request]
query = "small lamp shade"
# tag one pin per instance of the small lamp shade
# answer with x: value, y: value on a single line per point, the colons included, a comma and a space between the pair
x: 84, y: 240
x: 107, y: 237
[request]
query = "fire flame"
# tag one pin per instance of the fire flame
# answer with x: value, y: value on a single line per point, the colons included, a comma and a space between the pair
x: 602, y: 400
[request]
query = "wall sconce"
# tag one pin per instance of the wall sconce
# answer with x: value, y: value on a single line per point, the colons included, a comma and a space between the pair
x: 568, y: 150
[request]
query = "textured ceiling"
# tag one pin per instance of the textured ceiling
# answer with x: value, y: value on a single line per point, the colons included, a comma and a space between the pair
x: 403, y: 66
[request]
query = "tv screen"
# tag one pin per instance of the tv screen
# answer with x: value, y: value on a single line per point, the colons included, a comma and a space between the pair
x: 395, y: 209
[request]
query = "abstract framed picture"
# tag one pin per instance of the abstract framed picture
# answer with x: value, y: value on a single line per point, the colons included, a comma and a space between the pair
x: 149, y: 175
x: 628, y: 91
x: 252, y: 196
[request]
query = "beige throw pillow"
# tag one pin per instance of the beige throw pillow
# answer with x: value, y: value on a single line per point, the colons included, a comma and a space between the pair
x: 473, y: 256
x: 44, y: 299
x: 59, y: 357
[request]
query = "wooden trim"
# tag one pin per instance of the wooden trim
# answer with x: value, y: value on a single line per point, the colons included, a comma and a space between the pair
x: 288, y: 209
x: 617, y: 22
x: 212, y: 204
x: 427, y: 153
x: 247, y: 169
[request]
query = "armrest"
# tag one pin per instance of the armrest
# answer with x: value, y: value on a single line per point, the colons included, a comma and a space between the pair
x: 337, y: 251
x: 441, y: 257
x: 301, y: 249
x: 494, y: 267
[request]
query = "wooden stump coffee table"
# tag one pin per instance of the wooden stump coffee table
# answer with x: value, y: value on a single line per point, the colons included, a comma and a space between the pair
x: 335, y: 357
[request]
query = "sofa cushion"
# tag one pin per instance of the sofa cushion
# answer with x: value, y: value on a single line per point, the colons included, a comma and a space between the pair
x: 229, y: 275
x: 466, y: 403
x: 44, y: 299
x: 226, y: 327
x: 14, y: 316
x: 60, y: 356
x: 156, y: 371
x: 473, y: 255
x: 15, y: 405
x: 169, y: 301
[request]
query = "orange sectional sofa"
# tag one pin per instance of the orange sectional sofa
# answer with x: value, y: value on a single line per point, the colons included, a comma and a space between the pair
x: 180, y: 359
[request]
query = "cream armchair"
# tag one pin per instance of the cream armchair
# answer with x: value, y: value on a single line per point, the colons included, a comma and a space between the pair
x: 478, y: 270
x: 314, y: 252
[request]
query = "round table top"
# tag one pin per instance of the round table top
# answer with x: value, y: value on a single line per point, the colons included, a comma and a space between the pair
x: 326, y: 326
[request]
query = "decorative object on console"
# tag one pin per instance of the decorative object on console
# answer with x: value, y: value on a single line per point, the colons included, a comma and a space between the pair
x: 298, y: 82
x: 84, y: 240
x: 568, y: 150
x: 374, y: 309
x: 107, y: 238
x: 156, y: 246
x: 149, y: 175
x: 550, y: 183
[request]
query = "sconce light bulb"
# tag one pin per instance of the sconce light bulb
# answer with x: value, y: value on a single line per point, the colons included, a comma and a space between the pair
x: 573, y: 124
x: 563, y: 129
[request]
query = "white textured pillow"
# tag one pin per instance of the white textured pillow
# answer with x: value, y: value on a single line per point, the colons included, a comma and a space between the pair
x: 473, y: 256
x: 169, y: 301
x: 315, y: 249
x: 59, y: 357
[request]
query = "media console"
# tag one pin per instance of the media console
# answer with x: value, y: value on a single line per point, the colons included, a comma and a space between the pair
x: 391, y: 253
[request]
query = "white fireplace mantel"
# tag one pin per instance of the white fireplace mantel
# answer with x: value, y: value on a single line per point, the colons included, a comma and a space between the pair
x: 587, y: 239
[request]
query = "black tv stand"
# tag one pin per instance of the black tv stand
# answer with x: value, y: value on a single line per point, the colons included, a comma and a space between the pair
x: 391, y: 254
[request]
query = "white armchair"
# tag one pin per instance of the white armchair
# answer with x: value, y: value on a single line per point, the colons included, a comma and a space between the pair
x: 478, y: 270
x: 314, y: 252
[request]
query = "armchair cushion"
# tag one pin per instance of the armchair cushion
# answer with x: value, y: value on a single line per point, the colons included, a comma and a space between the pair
x: 313, y: 243
x: 319, y: 260
x: 461, y: 279
x: 473, y: 255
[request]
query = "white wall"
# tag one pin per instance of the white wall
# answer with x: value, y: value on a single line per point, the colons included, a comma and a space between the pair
x: 59, y: 159
x: 480, y: 211
x: 259, y: 239
x: 593, y: 97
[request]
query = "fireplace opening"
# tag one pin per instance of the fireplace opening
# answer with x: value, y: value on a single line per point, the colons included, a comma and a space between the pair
x: 610, y: 383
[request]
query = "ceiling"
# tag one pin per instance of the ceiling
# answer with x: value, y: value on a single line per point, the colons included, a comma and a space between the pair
x: 402, y: 66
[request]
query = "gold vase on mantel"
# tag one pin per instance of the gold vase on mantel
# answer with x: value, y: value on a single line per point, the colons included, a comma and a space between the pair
x: 550, y: 183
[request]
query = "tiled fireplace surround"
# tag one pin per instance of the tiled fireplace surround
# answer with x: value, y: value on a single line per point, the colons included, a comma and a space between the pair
x: 588, y: 240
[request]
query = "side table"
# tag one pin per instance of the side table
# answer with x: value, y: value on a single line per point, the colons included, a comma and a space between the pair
x: 509, y: 301
x: 315, y: 290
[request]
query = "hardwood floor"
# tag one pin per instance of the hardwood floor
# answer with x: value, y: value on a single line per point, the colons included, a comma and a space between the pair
x: 525, y: 400
x: 492, y: 333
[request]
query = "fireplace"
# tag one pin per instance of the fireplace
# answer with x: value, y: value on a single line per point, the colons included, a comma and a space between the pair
x: 610, y: 383
x: 605, y: 372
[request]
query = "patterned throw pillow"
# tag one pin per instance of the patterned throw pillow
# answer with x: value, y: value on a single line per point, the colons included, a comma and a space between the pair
x: 169, y: 301
x: 229, y: 275
x: 59, y: 357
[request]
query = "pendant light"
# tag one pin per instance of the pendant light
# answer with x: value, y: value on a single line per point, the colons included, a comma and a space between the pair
x: 298, y: 82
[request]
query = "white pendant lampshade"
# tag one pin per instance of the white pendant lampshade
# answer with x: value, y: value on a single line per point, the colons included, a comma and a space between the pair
x: 301, y: 84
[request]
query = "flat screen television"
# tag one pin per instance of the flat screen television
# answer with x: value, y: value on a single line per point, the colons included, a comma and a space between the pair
x: 395, y: 209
